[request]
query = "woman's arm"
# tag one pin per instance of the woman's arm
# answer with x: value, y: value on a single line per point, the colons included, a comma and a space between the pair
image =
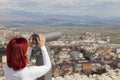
x: 38, y: 71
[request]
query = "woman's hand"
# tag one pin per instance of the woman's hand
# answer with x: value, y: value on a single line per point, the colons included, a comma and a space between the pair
x: 30, y: 41
x: 41, y: 40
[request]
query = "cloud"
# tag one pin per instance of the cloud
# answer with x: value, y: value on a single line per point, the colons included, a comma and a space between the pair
x: 23, y: 4
x: 115, y: 1
x: 83, y: 2
x: 67, y: 2
x: 72, y: 7
x: 4, y: 1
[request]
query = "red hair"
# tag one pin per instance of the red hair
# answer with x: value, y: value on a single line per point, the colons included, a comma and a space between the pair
x: 16, y: 53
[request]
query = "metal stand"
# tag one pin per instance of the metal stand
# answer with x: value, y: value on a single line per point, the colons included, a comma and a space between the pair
x: 39, y: 61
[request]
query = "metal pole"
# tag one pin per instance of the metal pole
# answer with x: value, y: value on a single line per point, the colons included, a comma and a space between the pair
x: 39, y: 61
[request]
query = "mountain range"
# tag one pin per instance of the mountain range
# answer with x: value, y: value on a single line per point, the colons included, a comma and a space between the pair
x: 25, y: 18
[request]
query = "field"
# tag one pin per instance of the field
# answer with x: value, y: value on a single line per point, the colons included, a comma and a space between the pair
x: 114, y: 33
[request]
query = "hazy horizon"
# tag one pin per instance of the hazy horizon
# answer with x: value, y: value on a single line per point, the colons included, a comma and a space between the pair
x: 60, y: 12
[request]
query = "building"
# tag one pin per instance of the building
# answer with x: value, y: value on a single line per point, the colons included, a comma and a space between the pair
x: 87, y: 68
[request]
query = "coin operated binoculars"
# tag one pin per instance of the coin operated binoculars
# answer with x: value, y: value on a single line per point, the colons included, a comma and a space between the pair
x: 36, y: 55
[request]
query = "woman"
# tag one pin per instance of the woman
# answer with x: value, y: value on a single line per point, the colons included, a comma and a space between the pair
x: 16, y: 68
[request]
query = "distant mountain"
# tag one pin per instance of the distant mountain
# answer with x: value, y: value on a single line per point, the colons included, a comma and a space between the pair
x: 24, y: 18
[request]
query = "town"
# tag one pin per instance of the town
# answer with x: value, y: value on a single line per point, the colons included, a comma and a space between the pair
x: 74, y: 56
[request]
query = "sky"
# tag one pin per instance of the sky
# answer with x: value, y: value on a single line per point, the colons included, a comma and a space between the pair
x: 99, y: 8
